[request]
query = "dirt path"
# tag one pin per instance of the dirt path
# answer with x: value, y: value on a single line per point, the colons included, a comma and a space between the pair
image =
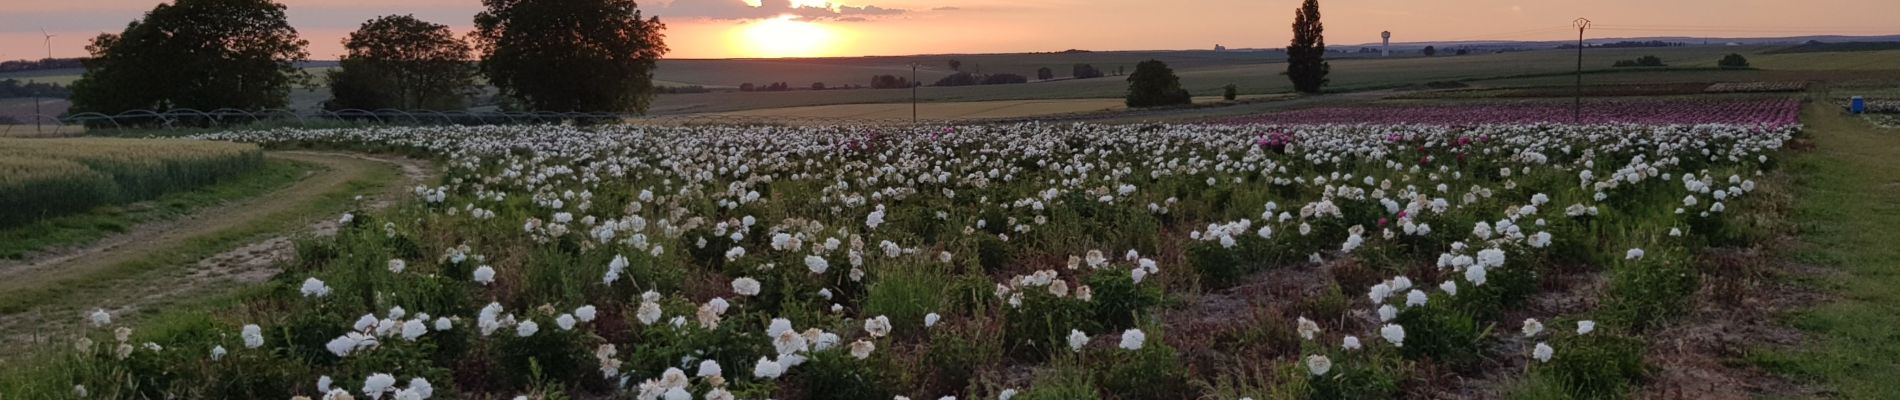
x: 84, y: 275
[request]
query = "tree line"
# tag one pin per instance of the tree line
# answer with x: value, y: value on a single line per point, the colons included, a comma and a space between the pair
x: 544, y: 55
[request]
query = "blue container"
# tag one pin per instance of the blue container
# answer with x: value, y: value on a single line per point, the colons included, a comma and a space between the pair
x: 1858, y: 105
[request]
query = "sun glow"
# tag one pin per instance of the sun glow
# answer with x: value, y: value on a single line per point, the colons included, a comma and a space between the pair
x: 786, y: 36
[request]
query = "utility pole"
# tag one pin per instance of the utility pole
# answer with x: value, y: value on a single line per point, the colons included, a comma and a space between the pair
x: 913, y: 93
x: 1576, y: 110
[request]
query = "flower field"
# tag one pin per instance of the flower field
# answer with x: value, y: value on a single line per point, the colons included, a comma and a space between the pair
x: 1770, y: 112
x: 975, y: 262
x: 42, y: 178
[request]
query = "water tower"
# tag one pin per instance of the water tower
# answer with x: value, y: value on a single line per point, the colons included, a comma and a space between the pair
x: 1386, y: 51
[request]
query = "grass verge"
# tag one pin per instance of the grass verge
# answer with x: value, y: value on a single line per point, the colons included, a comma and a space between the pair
x: 1847, y: 204
x: 83, y: 228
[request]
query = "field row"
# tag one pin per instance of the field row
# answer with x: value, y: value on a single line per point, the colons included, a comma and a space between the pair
x: 41, y: 178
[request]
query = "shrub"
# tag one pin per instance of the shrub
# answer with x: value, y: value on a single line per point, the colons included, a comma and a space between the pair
x: 1363, y: 374
x: 837, y: 375
x: 956, y: 352
x: 1118, y: 301
x: 1067, y: 379
x: 904, y: 293
x: 1733, y: 60
x: 1037, y: 327
x: 1230, y: 92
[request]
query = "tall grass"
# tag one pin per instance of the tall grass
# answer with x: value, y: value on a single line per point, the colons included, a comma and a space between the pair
x: 42, y: 178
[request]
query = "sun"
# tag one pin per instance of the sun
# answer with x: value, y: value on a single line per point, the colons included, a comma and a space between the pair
x: 786, y: 36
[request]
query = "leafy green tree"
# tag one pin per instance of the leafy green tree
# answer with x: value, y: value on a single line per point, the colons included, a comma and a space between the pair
x: 401, y: 62
x: 571, y: 55
x: 1306, y: 56
x: 199, y: 54
x: 1154, y: 84
x: 1733, y: 60
x: 1045, y: 73
x: 1431, y: 51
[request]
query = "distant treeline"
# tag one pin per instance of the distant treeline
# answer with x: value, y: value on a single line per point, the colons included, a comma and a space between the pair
x: 1821, y: 47
x: 10, y: 88
x: 43, y: 64
x: 681, y: 89
x: 1631, y: 44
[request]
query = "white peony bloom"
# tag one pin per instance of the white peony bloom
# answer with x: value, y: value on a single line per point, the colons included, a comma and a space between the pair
x: 878, y: 327
x: 1543, y: 352
x: 586, y: 313
x: 1077, y: 339
x: 1414, y: 298
x: 862, y: 349
x: 1393, y: 333
x: 485, y: 275
x: 396, y: 265
x: 1318, y: 364
x: 253, y: 336
x: 1532, y: 327
x: 1307, y: 328
x: 817, y: 264
x: 99, y: 317
x: 314, y: 287
x: 931, y: 319
x: 527, y: 328
x: 1633, y: 254
x: 767, y: 369
x: 745, y: 286
x: 565, y: 322
x: 1350, y: 343
x: 1132, y: 339
x: 1585, y: 327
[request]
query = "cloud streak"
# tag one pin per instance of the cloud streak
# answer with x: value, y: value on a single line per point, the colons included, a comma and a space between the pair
x: 738, y: 9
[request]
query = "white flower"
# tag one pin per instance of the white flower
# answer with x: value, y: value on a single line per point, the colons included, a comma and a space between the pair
x: 1318, y: 364
x: 875, y: 218
x: 1307, y: 328
x: 1393, y: 333
x: 1532, y: 327
x: 314, y: 287
x: 767, y: 369
x: 323, y: 383
x: 1633, y: 254
x: 217, y: 353
x: 100, y: 318
x: 1585, y: 327
x: 1475, y: 274
x: 1388, y: 313
x: 931, y: 319
x: 817, y: 264
x: 648, y: 313
x: 878, y: 327
x: 1414, y: 298
x: 586, y: 313
x: 709, y: 368
x: 1350, y: 343
x: 377, y: 384
x: 1450, y: 287
x: 1077, y: 339
x: 443, y: 323
x: 527, y: 328
x: 396, y: 265
x: 1006, y: 394
x: 565, y: 322
x: 745, y: 286
x: 253, y: 336
x: 615, y: 268
x: 421, y: 387
x: 1542, y: 353
x: 1132, y: 339
x: 413, y: 329
x: 862, y: 349
x: 484, y: 275
x: 1378, y: 293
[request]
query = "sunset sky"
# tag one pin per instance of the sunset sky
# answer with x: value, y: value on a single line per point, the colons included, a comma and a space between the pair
x: 777, y: 28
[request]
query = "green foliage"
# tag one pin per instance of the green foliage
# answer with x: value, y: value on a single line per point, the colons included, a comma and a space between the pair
x: 1306, y: 55
x: 905, y: 293
x: 1045, y: 73
x: 1369, y: 373
x: 1733, y: 60
x: 1230, y: 92
x: 1154, y: 372
x: 578, y: 55
x: 955, y: 353
x: 1038, y: 326
x: 1065, y: 379
x: 398, y: 61
x: 837, y: 375
x: 1440, y: 332
x: 1643, y: 293
x: 1601, y: 365
x: 199, y: 54
x: 1118, y: 301
x: 1644, y: 61
x: 1154, y: 84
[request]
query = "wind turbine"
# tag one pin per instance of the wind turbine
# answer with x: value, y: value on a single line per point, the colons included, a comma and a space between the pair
x: 49, y: 42
x: 37, y: 113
